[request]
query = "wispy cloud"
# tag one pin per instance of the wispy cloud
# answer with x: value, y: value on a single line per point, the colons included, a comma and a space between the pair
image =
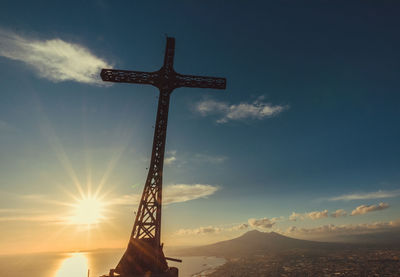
x: 348, y: 229
x: 228, y: 112
x: 173, y: 194
x: 200, y: 231
x: 53, y: 59
x: 213, y: 229
x: 363, y: 209
x: 339, y: 213
x: 369, y: 195
x: 183, y: 192
x: 311, y: 215
x: 170, y: 158
x: 264, y: 223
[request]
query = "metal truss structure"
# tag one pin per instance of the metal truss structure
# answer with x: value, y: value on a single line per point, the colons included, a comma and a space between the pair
x: 144, y: 254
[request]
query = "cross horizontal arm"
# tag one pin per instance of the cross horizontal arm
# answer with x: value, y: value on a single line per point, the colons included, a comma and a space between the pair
x: 128, y: 76
x: 193, y: 81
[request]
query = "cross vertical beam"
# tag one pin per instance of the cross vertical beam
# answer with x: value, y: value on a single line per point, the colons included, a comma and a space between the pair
x: 144, y: 252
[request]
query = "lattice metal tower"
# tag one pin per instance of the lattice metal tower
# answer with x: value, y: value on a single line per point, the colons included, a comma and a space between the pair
x: 144, y: 255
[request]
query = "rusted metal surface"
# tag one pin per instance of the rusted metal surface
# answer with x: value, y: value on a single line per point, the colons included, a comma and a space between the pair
x: 144, y: 252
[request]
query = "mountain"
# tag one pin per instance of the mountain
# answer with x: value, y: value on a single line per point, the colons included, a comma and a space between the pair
x: 256, y: 242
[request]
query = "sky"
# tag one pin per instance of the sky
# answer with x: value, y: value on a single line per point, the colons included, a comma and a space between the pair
x: 303, y: 141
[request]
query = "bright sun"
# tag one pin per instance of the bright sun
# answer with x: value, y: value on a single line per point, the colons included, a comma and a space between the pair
x: 88, y: 211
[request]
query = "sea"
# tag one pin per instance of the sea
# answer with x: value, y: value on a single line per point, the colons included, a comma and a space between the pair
x: 91, y: 263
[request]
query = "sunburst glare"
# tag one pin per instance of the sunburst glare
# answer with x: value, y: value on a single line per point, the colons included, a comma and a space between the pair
x: 87, y: 211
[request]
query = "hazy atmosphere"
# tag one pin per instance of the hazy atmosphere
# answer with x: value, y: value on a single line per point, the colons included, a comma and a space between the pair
x: 304, y: 141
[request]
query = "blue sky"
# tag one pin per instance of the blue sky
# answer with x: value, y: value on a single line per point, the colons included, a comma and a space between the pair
x: 309, y: 121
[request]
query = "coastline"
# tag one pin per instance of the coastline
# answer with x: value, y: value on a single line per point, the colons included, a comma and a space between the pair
x: 210, y: 267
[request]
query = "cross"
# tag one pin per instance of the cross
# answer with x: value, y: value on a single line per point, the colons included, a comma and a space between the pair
x: 165, y: 79
x: 144, y: 252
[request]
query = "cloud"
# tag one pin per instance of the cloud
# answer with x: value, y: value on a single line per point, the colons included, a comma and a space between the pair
x: 344, y: 229
x: 318, y: 214
x: 169, y: 160
x: 171, y: 157
x: 242, y: 226
x: 339, y: 213
x: 212, y: 229
x: 200, y: 231
x: 363, y: 209
x: 228, y: 112
x: 54, y: 59
x: 173, y: 194
x: 370, y: 195
x: 264, y: 223
x: 311, y: 215
x: 294, y: 216
x: 183, y: 192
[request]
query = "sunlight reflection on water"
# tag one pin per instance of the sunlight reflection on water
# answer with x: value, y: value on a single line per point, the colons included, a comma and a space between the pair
x: 76, y: 265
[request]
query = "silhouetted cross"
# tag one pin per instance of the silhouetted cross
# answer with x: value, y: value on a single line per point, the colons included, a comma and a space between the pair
x: 166, y: 78
x: 144, y: 252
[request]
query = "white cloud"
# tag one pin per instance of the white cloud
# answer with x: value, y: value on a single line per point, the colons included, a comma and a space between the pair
x: 169, y: 160
x: 200, y: 231
x: 318, y: 214
x: 339, y: 213
x: 173, y: 194
x: 53, y: 59
x: 182, y: 192
x: 171, y: 157
x: 344, y: 229
x: 255, y: 110
x: 212, y: 229
x: 363, y: 209
x: 370, y: 195
x: 264, y: 223
x: 311, y: 215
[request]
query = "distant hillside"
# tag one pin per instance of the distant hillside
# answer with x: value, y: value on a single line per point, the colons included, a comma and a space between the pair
x: 256, y: 242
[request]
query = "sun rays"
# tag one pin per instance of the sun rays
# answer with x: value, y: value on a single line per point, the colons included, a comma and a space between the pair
x: 72, y: 205
x: 88, y: 204
x: 88, y: 211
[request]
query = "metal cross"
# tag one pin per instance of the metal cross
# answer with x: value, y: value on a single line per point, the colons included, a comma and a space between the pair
x: 146, y: 231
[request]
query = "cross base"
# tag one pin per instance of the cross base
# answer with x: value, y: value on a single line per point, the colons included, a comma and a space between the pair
x: 143, y: 257
x: 171, y: 272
